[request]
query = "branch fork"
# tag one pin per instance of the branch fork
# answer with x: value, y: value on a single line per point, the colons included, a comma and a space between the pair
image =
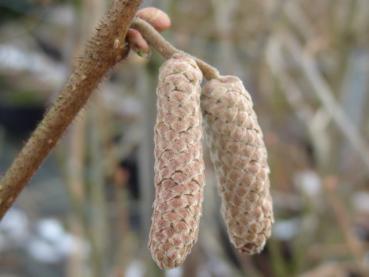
x: 105, y: 49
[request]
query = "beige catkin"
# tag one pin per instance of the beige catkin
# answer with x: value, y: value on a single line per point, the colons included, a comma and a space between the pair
x: 179, y: 166
x: 240, y: 158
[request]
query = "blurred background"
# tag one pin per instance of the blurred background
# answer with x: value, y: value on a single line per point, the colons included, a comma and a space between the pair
x: 87, y: 210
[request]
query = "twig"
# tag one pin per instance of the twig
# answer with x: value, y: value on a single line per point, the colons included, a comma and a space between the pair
x: 166, y: 49
x: 98, y: 222
x: 76, y: 190
x: 102, y: 52
x: 343, y: 220
x: 325, y: 96
x: 290, y: 88
x: 315, y: 122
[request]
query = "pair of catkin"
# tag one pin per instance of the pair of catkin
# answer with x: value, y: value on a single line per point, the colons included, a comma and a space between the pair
x: 237, y: 151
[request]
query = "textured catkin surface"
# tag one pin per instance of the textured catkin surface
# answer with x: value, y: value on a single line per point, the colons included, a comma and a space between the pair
x: 179, y: 166
x: 240, y: 159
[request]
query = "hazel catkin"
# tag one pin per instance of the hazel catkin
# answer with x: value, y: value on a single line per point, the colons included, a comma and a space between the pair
x: 239, y: 155
x: 179, y: 166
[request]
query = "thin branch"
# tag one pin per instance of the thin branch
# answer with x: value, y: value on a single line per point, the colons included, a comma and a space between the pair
x: 290, y: 88
x: 102, y: 52
x: 325, y: 95
x: 166, y: 49
x: 354, y: 245
x: 315, y: 122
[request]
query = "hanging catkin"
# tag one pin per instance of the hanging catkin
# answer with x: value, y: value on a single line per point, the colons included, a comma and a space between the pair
x: 179, y: 166
x: 240, y: 158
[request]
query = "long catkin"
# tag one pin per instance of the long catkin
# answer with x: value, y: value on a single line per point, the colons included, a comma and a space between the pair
x: 179, y: 166
x: 240, y: 159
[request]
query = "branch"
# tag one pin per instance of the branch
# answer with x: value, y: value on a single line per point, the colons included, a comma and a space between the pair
x: 103, y: 51
x: 325, y: 95
x: 166, y: 49
x: 354, y: 245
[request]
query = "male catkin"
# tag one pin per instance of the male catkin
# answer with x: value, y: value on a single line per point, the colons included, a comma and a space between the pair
x: 240, y: 158
x: 179, y: 166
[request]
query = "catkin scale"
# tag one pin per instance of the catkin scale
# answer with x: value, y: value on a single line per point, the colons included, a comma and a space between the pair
x: 179, y: 166
x: 240, y: 159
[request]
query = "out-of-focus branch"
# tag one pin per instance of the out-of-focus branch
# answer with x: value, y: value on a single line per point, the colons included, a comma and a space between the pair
x: 315, y: 122
x: 325, y: 96
x: 292, y: 92
x: 103, y: 51
x: 343, y: 220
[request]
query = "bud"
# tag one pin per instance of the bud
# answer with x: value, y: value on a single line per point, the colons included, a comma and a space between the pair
x: 179, y: 166
x: 240, y: 159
